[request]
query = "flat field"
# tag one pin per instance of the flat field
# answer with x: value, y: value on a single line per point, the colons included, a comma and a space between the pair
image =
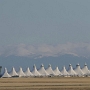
x: 45, y: 83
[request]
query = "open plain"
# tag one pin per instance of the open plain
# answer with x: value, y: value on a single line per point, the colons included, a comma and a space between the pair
x: 45, y: 83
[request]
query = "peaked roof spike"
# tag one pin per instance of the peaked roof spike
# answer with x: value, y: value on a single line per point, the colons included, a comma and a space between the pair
x: 35, y: 71
x: 42, y: 65
x: 42, y: 71
x: 21, y: 73
x: 49, y: 70
x: 78, y: 70
x: 85, y: 64
x: 71, y: 71
x: 13, y: 72
x: 86, y: 70
x: 78, y: 64
x: 64, y: 71
x: 49, y: 65
x: 70, y: 65
x: 28, y: 73
x: 6, y: 74
x: 57, y: 71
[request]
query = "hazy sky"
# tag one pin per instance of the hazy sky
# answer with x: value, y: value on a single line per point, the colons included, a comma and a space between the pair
x: 44, y: 27
x: 44, y: 21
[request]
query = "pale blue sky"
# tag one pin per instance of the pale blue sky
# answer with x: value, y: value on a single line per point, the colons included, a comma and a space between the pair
x: 44, y: 21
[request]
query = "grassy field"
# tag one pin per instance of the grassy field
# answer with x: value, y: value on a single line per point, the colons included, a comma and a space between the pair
x: 52, y: 83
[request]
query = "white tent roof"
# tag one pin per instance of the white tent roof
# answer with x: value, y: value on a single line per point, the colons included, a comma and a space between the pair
x: 28, y: 73
x: 50, y: 71
x: 78, y: 70
x: 57, y: 71
x: 13, y: 72
x: 5, y: 73
x: 86, y: 70
x: 64, y: 71
x: 35, y: 72
x: 21, y: 73
x: 42, y: 71
x: 71, y: 71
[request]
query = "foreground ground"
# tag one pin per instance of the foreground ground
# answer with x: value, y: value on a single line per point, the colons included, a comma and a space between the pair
x: 52, y: 83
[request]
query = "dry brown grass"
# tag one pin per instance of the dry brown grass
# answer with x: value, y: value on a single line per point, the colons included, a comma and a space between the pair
x: 52, y: 83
